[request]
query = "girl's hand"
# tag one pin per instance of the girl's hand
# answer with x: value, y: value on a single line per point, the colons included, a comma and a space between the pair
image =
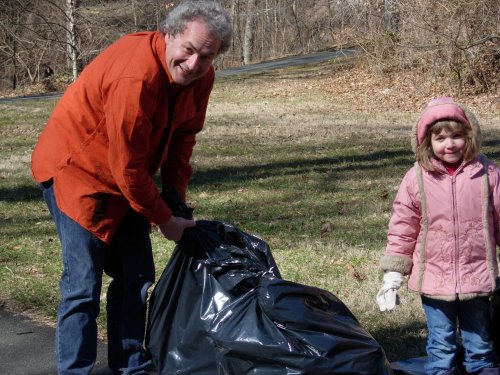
x: 387, y: 296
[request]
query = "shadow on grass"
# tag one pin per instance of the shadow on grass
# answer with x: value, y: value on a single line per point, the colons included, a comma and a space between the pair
x: 379, y: 160
x: 493, y: 154
x: 21, y: 193
x: 401, y: 342
x: 372, y: 161
x: 491, y: 142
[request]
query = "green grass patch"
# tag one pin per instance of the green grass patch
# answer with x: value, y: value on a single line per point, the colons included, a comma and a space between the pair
x: 279, y: 159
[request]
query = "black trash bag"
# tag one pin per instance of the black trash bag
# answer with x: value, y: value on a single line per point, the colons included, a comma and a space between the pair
x: 213, y: 264
x: 221, y: 307
x: 284, y: 328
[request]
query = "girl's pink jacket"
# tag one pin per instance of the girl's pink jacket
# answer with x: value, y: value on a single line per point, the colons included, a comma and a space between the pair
x: 446, y: 238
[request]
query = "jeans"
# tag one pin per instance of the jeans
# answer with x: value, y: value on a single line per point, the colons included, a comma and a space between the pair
x: 128, y: 260
x: 473, y: 318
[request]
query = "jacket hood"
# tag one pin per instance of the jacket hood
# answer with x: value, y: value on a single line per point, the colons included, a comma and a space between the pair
x: 444, y: 108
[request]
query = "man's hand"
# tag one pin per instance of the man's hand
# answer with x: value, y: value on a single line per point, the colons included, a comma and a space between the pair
x: 387, y: 296
x: 174, y: 227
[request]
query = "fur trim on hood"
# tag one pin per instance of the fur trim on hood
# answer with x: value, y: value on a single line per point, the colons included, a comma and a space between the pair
x: 444, y: 108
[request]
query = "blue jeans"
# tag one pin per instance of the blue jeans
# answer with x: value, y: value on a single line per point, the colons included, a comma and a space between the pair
x: 473, y: 317
x: 128, y: 260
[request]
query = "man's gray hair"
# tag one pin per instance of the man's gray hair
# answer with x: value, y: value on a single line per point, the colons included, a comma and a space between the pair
x: 210, y: 12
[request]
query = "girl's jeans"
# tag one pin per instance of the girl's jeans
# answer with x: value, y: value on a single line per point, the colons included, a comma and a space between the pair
x: 128, y: 260
x: 473, y: 318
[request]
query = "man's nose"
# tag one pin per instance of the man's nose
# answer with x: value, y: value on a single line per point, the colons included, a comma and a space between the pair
x: 192, y: 62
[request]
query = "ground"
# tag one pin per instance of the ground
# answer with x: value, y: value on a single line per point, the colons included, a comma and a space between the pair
x: 363, y: 90
x: 402, y: 92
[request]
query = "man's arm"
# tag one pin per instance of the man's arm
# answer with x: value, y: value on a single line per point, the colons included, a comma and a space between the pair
x: 128, y: 107
x: 177, y: 170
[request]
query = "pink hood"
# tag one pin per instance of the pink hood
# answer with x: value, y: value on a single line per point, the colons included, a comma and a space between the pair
x: 444, y: 108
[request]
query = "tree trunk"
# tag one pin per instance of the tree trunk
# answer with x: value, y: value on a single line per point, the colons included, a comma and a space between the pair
x: 389, y: 16
x: 297, y: 26
x: 134, y: 14
x: 249, y: 33
x: 71, y: 37
x: 14, y: 65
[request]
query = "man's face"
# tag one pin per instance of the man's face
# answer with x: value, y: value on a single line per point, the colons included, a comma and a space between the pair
x: 190, y: 54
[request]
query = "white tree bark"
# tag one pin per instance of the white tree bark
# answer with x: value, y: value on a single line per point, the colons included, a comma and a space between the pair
x: 71, y: 37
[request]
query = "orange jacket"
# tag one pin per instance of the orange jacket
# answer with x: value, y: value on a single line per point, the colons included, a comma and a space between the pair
x: 103, y: 142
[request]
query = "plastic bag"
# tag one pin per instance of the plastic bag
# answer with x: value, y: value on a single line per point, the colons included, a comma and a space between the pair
x: 221, y: 307
x: 286, y: 328
x: 209, y: 268
x: 412, y: 366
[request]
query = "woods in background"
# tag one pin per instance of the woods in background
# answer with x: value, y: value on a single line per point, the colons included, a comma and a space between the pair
x: 454, y: 40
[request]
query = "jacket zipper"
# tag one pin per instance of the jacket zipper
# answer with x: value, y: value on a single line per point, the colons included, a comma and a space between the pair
x: 455, y: 233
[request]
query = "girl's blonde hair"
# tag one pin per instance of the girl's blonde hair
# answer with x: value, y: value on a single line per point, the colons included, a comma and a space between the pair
x: 424, y: 153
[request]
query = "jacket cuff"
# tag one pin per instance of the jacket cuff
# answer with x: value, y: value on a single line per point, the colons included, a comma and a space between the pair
x: 162, y: 213
x: 396, y: 263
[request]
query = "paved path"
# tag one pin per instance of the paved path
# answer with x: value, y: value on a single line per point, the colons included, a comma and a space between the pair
x: 253, y: 68
x: 286, y: 61
x: 27, y: 347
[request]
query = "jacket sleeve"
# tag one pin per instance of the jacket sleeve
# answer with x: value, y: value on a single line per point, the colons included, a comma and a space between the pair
x: 129, y: 105
x: 177, y: 170
x: 404, y: 227
x: 494, y: 180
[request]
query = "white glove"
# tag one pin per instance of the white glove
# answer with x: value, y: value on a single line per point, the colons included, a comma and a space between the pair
x: 387, y: 296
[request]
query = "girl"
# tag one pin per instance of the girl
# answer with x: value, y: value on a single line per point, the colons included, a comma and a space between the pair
x: 443, y: 233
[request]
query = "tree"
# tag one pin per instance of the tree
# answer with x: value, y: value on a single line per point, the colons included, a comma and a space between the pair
x: 249, y: 32
x: 72, y: 36
x: 451, y: 39
x: 390, y: 15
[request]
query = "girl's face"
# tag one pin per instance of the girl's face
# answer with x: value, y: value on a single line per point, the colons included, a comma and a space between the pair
x: 448, y: 145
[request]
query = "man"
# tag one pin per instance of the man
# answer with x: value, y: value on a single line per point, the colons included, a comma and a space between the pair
x: 135, y: 109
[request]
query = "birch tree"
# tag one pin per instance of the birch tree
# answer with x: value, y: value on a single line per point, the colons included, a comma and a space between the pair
x: 249, y: 32
x: 71, y: 36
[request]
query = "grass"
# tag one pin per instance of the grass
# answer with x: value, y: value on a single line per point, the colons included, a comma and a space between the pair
x: 279, y: 157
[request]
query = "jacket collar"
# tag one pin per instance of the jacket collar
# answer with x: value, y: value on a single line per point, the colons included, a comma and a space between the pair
x: 471, y: 168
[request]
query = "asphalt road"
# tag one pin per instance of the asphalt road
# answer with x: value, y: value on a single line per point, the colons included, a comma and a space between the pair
x: 27, y: 348
x: 286, y: 62
x: 253, y: 68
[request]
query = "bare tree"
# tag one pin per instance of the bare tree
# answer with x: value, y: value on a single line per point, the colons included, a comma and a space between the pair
x: 24, y: 43
x: 390, y: 15
x: 459, y: 40
x: 9, y: 29
x: 249, y: 32
x: 449, y: 39
x: 72, y: 36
